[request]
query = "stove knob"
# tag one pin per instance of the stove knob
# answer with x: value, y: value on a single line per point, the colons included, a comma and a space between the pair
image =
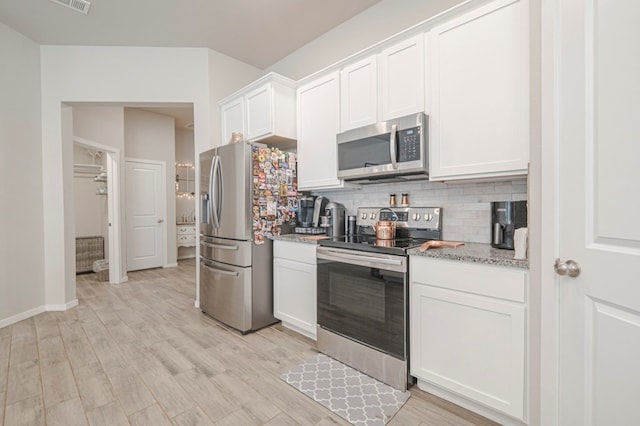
x: 428, y: 217
x: 416, y: 216
x: 363, y: 215
x: 372, y: 215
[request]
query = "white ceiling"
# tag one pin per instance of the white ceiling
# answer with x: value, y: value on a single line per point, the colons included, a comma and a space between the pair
x: 257, y: 32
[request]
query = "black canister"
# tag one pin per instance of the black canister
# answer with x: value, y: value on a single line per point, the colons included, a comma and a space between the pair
x: 351, y: 225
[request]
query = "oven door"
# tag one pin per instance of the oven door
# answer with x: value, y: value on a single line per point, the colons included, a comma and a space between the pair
x: 363, y: 296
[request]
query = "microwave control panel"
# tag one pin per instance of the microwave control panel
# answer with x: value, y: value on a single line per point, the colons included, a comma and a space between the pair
x: 409, y: 144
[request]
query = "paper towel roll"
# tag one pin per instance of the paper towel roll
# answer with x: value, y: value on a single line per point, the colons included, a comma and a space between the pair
x: 520, y: 243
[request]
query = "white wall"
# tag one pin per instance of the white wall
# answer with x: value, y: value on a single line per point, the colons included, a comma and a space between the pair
x: 21, y: 219
x: 151, y: 136
x: 375, y: 24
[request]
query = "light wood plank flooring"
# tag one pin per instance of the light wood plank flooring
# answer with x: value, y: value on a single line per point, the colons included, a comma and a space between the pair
x: 139, y: 353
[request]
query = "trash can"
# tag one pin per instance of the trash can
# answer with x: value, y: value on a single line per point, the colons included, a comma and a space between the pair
x: 101, y: 268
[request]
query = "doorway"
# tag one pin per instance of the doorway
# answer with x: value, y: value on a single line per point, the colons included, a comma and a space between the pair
x: 98, y: 217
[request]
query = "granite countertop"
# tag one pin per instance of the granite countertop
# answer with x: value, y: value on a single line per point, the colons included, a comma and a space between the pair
x: 474, y: 253
x: 298, y: 238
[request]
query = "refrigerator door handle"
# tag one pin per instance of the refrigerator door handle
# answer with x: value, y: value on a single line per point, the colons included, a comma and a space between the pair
x: 210, y: 198
x: 220, y: 192
x: 221, y: 271
x: 214, y: 191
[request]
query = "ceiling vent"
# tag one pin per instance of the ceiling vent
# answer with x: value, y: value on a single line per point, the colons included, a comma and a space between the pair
x: 81, y: 6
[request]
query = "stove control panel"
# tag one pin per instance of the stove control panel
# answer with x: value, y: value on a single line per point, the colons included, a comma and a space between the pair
x: 407, y: 217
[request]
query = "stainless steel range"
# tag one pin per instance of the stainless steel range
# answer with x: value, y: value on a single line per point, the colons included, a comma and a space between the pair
x: 363, y: 293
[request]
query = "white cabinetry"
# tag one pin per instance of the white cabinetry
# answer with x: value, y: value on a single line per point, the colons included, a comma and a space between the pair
x: 232, y: 118
x: 318, y: 123
x: 294, y: 286
x: 186, y: 235
x: 480, y: 93
x: 468, y: 336
x: 402, y: 78
x: 359, y: 93
x: 383, y: 86
x: 264, y: 109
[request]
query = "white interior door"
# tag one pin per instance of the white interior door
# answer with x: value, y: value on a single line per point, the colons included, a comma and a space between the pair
x: 145, y: 215
x: 599, y: 159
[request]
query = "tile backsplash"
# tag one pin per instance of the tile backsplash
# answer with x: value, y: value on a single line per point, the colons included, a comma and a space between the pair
x: 466, y: 205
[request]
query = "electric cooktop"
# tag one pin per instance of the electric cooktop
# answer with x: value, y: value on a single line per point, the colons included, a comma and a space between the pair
x: 415, y: 225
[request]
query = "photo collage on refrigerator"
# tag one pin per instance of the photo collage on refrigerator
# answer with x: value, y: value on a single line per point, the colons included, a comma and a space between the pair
x: 275, y: 191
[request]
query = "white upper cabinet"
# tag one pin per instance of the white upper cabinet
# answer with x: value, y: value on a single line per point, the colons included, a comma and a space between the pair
x: 479, y: 95
x: 383, y: 86
x: 264, y: 109
x: 402, y: 78
x: 318, y: 117
x: 232, y: 118
x: 359, y: 93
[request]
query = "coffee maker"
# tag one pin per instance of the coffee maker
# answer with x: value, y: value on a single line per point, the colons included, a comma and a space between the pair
x: 310, y: 208
x: 506, y: 217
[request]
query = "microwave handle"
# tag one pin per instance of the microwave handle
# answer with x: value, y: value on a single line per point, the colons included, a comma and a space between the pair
x: 392, y: 146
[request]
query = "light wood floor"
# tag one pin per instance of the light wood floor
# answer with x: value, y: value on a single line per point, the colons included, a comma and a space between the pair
x: 139, y: 353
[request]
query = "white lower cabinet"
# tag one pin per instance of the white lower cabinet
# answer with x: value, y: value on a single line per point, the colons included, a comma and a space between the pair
x: 468, y: 335
x: 294, y: 286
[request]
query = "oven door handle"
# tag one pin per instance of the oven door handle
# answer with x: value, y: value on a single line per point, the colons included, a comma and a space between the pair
x: 341, y: 255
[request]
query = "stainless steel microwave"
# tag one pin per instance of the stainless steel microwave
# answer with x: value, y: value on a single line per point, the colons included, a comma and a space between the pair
x: 390, y: 150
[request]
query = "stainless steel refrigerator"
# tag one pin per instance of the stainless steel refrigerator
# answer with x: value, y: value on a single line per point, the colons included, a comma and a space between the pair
x: 247, y: 192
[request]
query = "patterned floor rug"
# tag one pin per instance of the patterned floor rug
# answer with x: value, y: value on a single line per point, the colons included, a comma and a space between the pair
x: 354, y: 396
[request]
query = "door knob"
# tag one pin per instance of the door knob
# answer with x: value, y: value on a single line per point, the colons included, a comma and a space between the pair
x: 570, y: 268
x: 160, y: 221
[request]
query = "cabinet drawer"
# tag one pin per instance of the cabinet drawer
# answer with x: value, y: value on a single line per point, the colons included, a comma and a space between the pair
x: 487, y: 280
x: 186, y: 229
x: 299, y: 252
x: 187, y: 239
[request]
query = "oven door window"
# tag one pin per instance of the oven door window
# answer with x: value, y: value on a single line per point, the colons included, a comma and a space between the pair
x: 363, y: 303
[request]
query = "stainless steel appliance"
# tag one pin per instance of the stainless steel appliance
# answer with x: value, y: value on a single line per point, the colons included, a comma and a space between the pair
x: 247, y: 192
x: 363, y: 293
x: 335, y: 213
x: 310, y: 209
x: 506, y: 217
x: 394, y: 150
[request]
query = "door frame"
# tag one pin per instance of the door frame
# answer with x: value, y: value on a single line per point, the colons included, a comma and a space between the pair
x: 163, y: 202
x: 549, y: 230
x: 113, y: 208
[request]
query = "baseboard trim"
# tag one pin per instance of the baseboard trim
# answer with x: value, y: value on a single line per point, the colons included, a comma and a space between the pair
x: 21, y: 316
x: 35, y: 311
x: 171, y: 265
x: 64, y: 307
